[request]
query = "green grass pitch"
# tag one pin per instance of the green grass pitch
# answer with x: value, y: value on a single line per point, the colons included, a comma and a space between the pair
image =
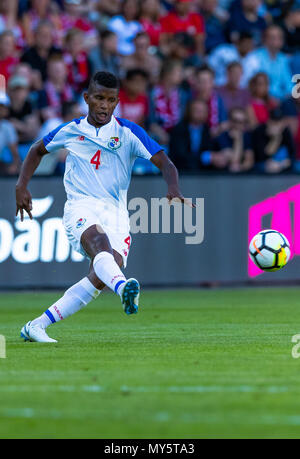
x: 191, y: 364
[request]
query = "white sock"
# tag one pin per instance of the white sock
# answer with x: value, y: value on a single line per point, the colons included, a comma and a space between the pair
x: 74, y: 299
x: 109, y: 272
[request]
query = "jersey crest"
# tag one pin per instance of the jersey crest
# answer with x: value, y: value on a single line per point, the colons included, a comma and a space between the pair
x: 80, y: 222
x: 114, y: 143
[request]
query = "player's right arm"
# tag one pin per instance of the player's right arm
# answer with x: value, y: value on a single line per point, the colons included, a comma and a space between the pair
x: 51, y: 142
x: 31, y: 162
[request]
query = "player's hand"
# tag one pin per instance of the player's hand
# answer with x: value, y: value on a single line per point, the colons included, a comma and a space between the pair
x: 24, y: 202
x: 174, y: 194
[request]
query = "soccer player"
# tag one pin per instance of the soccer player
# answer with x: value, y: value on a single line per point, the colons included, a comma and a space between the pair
x: 101, y: 152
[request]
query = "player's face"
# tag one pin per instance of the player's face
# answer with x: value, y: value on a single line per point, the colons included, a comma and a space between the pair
x: 102, y: 102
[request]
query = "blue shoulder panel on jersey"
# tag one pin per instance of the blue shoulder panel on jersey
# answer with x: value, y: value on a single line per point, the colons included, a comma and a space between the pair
x: 49, y: 137
x: 150, y: 144
x: 77, y: 120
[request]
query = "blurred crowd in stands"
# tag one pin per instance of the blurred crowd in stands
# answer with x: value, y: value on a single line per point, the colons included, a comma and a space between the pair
x: 216, y: 82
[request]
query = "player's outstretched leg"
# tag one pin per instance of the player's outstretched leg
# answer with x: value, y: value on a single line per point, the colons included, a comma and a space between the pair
x: 109, y: 272
x: 130, y: 296
x: 96, y: 244
x: 35, y: 333
x: 74, y: 299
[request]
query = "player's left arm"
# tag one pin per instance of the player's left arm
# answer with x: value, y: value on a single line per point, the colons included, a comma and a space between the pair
x: 170, y: 174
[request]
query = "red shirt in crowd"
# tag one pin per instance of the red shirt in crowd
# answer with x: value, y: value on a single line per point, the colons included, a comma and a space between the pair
x: 78, y: 23
x: 192, y: 23
x: 78, y: 70
x: 153, y: 30
x: 134, y: 110
x: 7, y: 66
x: 262, y: 110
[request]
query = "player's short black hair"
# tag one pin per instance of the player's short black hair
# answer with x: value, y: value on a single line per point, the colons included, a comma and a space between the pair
x: 106, y: 79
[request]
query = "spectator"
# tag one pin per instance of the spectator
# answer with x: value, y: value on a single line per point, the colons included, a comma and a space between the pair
x: 274, y: 63
x: 182, y: 47
x: 273, y: 144
x: 276, y: 9
x: 104, y: 56
x: 223, y: 9
x: 261, y: 103
x: 33, y: 77
x: 104, y: 11
x: 236, y: 143
x: 142, y: 59
x: 134, y: 104
x: 213, y: 25
x: 37, y: 94
x: 9, y: 156
x: 167, y: 101
x: 231, y: 93
x: 74, y: 17
x: 126, y: 27
x: 38, y: 54
x: 291, y: 118
x: 57, y: 88
x: 183, y: 19
x: 205, y: 91
x: 76, y: 60
x: 291, y: 29
x: 149, y: 18
x: 173, y: 48
x: 239, y: 52
x: 21, y: 113
x: 8, y: 54
x: 190, y: 141
x: 9, y: 20
x: 44, y: 11
x: 244, y: 18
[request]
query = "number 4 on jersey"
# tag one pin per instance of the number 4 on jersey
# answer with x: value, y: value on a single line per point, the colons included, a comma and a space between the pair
x: 96, y: 159
x: 128, y: 242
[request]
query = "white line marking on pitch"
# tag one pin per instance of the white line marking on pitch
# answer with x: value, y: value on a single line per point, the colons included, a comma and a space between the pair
x: 148, y: 389
x: 162, y: 417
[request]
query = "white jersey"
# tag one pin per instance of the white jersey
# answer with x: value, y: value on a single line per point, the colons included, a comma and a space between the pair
x: 100, y: 160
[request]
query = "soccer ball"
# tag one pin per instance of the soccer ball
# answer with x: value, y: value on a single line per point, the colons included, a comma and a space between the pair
x: 269, y: 250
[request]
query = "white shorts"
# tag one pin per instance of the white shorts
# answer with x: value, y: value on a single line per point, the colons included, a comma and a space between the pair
x: 80, y: 214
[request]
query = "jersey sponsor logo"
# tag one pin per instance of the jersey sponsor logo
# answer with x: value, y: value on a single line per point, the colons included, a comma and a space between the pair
x: 81, y: 138
x: 80, y: 222
x: 114, y: 143
x: 42, y: 239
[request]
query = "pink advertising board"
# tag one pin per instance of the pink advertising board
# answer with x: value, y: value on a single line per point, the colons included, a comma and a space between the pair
x: 284, y: 209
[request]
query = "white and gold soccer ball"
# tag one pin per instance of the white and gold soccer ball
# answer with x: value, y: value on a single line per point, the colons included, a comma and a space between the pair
x: 270, y: 250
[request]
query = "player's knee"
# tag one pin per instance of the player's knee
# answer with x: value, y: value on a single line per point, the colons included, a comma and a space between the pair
x: 94, y: 241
